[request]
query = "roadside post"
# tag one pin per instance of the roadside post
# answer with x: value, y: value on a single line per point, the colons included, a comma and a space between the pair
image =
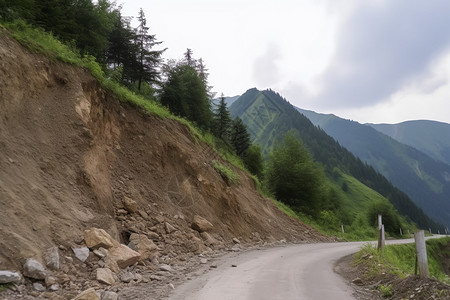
x: 421, y: 254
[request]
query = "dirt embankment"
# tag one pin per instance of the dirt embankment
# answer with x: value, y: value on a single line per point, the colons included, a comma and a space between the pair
x: 70, y: 152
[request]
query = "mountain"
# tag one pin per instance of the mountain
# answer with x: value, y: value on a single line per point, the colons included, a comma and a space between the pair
x: 424, y: 179
x: 430, y: 137
x: 268, y: 117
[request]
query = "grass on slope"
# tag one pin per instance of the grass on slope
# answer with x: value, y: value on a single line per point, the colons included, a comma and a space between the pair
x: 400, y: 259
x: 38, y: 40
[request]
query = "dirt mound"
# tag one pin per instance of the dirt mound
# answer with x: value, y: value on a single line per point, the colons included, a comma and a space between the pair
x: 70, y: 153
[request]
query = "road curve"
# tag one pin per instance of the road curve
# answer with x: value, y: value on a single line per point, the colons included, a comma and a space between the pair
x: 300, y: 272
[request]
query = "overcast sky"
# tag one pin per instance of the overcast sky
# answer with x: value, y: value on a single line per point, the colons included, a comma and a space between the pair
x: 379, y: 61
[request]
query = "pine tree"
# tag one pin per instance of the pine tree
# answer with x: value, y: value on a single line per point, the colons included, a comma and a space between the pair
x: 147, y: 60
x: 254, y: 160
x: 240, y: 138
x: 222, y: 121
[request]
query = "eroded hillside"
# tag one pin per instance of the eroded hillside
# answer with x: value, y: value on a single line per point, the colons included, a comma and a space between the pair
x: 70, y: 153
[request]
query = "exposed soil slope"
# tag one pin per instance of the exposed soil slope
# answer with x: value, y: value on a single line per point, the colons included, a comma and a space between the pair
x: 70, y: 152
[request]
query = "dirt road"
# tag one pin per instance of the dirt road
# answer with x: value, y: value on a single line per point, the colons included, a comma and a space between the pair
x: 292, y: 272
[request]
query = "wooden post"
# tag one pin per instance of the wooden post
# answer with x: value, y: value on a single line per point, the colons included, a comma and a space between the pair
x: 383, y: 236
x: 380, y: 234
x: 401, y: 232
x: 430, y: 230
x: 421, y: 249
x: 342, y: 227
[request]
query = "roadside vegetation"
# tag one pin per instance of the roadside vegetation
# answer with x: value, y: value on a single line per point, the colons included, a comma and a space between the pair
x: 399, y: 260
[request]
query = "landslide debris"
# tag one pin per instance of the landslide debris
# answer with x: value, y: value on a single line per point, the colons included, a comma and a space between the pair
x: 99, y: 195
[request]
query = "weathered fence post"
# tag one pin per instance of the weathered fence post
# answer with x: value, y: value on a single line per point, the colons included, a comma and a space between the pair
x: 342, y: 227
x: 401, y: 232
x: 421, y: 254
x: 381, y: 239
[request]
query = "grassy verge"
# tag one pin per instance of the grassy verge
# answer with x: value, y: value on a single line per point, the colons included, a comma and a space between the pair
x: 399, y: 260
x: 227, y: 173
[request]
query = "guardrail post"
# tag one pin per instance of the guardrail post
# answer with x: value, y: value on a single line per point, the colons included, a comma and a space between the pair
x: 421, y: 254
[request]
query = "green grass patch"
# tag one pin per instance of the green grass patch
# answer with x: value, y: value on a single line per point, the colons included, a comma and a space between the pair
x: 226, y: 172
x: 400, y: 259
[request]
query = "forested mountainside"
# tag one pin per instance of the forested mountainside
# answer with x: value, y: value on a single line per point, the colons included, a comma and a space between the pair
x: 430, y: 137
x: 425, y: 180
x: 268, y: 116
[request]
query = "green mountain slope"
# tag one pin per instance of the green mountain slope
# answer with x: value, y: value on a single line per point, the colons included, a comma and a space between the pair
x: 425, y: 180
x: 430, y: 137
x: 268, y: 117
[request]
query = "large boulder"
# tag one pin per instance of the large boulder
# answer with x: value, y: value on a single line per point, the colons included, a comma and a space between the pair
x: 34, y: 269
x: 201, y: 224
x: 97, y: 237
x: 144, y: 246
x: 124, y: 256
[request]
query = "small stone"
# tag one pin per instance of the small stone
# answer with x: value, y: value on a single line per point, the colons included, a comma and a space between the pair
x: 69, y: 259
x: 127, y: 277
x: 51, y: 257
x: 236, y: 248
x: 143, y: 214
x: 171, y: 286
x: 54, y: 287
x: 105, y: 275
x: 169, y: 228
x: 121, y: 211
x: 37, y: 286
x: 81, y: 253
x: 34, y: 269
x: 88, y: 294
x: 145, y: 247
x: 155, y: 277
x: 236, y: 241
x: 357, y: 281
x: 234, y: 266
x: 108, y: 295
x: 50, y: 280
x: 165, y: 267
x: 101, y: 252
x: 203, y: 261
x: 213, y: 266
x: 9, y: 277
x: 130, y: 205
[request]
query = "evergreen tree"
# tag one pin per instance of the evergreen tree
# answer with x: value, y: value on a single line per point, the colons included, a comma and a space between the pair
x: 147, y: 60
x: 185, y: 95
x: 254, y: 160
x: 240, y: 138
x: 222, y: 120
x: 292, y: 176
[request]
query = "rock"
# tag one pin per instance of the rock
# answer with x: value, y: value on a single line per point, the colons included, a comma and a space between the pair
x: 69, y: 259
x: 97, y: 237
x: 201, y: 224
x: 171, y: 286
x: 49, y: 280
x: 111, y: 264
x: 81, y: 253
x: 127, y: 277
x: 165, y: 268
x: 236, y: 248
x: 143, y: 214
x: 101, y: 252
x: 88, y: 294
x: 236, y: 241
x: 54, y: 287
x: 9, y: 277
x: 37, y: 286
x: 107, y: 295
x: 213, y: 266
x: 105, y: 275
x: 51, y: 257
x: 34, y: 269
x: 234, y: 266
x: 208, y: 239
x: 130, y: 205
x: 145, y: 247
x: 357, y: 281
x: 203, y: 261
x: 124, y: 256
x: 153, y: 235
x: 169, y: 228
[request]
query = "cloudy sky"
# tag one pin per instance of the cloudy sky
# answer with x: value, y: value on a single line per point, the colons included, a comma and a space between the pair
x: 381, y: 61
